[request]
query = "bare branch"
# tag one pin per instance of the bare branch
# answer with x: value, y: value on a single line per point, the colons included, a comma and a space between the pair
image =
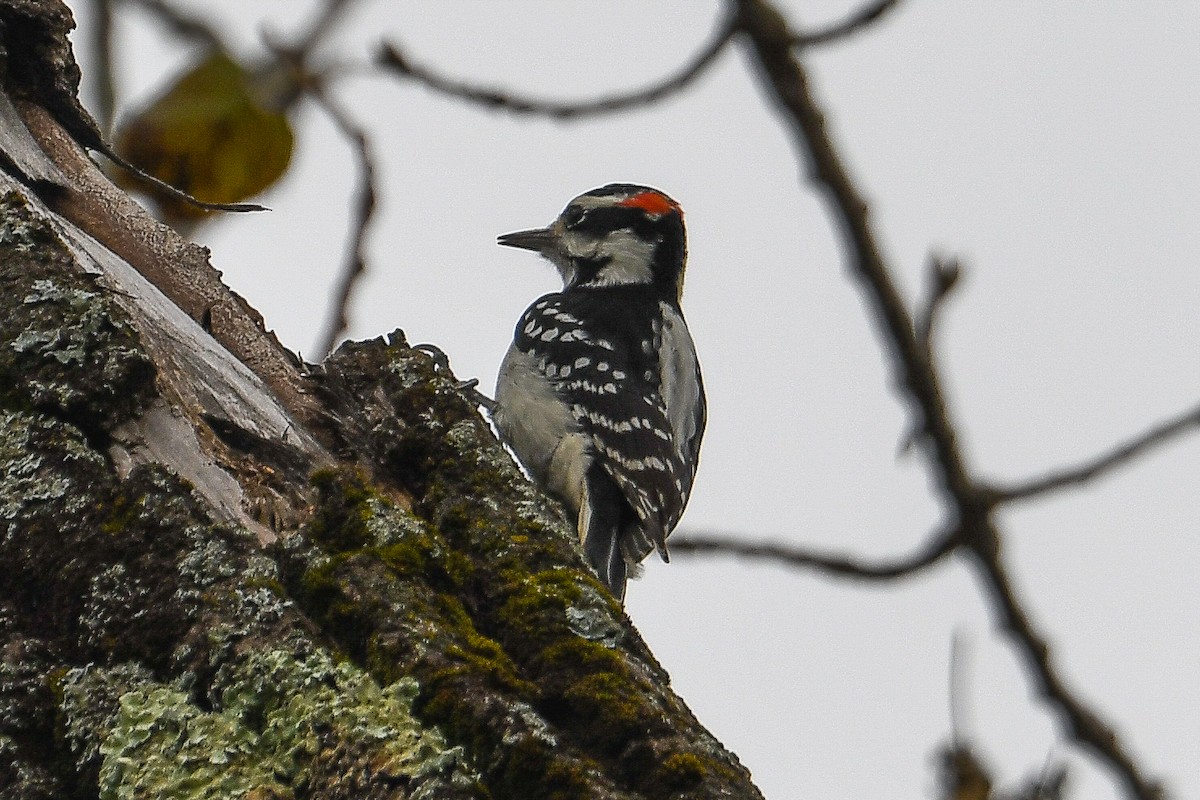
x: 844, y: 566
x: 1083, y: 725
x: 1158, y: 435
x: 364, y: 211
x: 178, y: 194
x: 847, y: 27
x: 786, y: 78
x: 183, y: 24
x: 784, y: 75
x: 392, y: 58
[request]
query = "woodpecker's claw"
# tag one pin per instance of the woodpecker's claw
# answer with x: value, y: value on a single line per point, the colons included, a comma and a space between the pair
x: 441, y: 363
x: 468, y: 390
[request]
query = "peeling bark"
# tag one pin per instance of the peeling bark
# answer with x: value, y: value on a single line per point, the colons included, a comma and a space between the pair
x: 224, y: 573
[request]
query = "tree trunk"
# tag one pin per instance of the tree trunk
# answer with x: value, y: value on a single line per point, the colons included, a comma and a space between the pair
x: 224, y: 573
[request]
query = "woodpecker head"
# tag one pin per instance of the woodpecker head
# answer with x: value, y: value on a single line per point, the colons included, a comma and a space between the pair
x: 618, y: 235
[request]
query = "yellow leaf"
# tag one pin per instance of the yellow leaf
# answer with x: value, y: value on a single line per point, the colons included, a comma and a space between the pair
x: 209, y: 135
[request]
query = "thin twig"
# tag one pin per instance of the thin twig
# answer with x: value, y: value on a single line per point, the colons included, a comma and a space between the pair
x: 943, y: 275
x: 847, y: 27
x: 331, y: 12
x: 364, y: 210
x: 183, y: 24
x: 844, y: 566
x: 392, y: 58
x: 102, y: 72
x: 785, y: 77
x: 178, y: 194
x: 957, y: 690
x: 1156, y: 436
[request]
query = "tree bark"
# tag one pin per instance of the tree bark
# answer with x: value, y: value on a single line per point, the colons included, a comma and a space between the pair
x: 225, y: 573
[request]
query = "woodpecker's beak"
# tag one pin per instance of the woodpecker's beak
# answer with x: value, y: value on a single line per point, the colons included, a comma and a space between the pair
x: 539, y: 239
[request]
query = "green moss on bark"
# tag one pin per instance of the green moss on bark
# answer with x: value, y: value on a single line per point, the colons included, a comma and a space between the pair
x: 583, y: 708
x: 396, y: 604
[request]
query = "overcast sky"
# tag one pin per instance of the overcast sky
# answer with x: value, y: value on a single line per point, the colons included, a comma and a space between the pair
x: 1051, y: 146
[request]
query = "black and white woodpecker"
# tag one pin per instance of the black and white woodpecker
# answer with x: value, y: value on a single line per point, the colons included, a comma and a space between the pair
x: 600, y: 394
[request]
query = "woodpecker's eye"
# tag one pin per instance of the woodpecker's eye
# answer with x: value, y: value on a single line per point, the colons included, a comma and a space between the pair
x: 573, y: 217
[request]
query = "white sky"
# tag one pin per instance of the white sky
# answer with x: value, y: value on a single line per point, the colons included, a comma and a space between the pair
x: 1052, y: 146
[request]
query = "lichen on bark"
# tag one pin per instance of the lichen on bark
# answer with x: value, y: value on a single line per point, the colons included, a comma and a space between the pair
x: 67, y: 350
x: 270, y: 731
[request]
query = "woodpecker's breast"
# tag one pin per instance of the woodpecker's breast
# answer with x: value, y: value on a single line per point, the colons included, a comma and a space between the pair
x: 529, y: 414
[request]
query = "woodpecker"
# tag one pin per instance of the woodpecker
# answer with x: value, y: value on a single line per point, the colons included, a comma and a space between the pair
x: 600, y: 395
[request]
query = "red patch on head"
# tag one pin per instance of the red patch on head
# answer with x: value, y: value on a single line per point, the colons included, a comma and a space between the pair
x: 652, y: 202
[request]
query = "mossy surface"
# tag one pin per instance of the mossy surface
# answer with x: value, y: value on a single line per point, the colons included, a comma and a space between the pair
x: 522, y: 656
x: 467, y: 622
x: 396, y: 603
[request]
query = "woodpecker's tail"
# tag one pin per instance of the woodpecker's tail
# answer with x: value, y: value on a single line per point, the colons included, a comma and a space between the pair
x: 603, y: 551
x: 603, y: 519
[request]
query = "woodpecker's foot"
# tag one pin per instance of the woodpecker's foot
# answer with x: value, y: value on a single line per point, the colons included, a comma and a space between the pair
x: 468, y: 390
x: 441, y: 363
